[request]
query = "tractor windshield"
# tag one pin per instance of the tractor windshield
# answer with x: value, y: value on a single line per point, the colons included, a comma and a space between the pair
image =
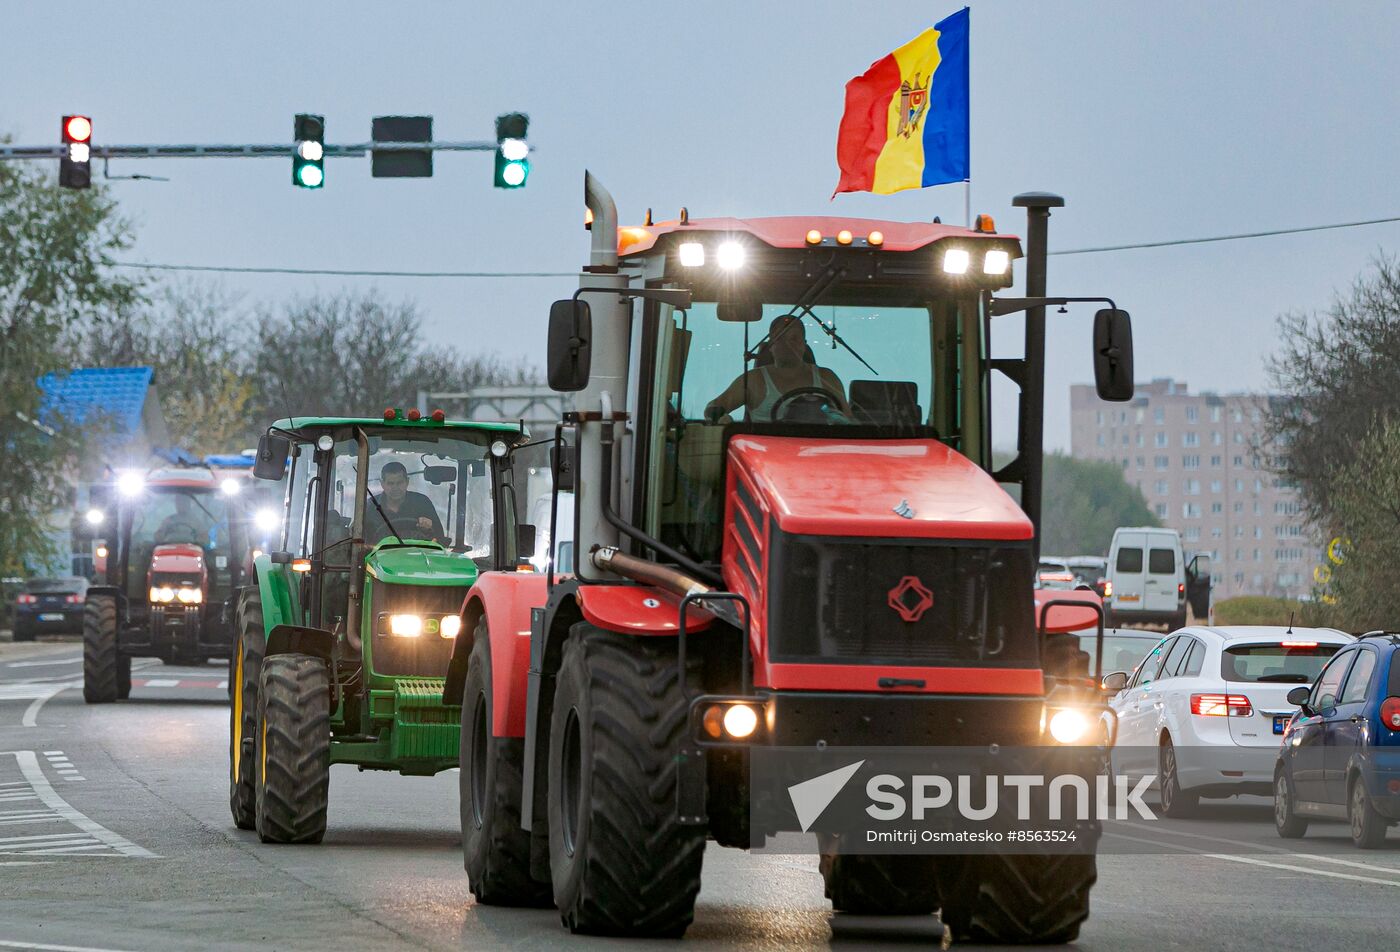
x: 853, y: 368
x: 430, y: 486
x: 179, y: 514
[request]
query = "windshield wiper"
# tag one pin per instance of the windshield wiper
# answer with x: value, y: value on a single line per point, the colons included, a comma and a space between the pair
x: 387, y: 524
x: 804, y: 305
x: 837, y: 338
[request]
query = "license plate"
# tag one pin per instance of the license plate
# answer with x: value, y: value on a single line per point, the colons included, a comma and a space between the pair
x: 1129, y: 598
x: 51, y: 617
x: 1281, y: 721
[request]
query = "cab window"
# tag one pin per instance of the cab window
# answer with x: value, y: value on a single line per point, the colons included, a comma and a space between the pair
x: 1360, y: 678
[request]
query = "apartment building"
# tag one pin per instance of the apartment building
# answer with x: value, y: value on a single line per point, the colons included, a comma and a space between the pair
x: 1205, y: 467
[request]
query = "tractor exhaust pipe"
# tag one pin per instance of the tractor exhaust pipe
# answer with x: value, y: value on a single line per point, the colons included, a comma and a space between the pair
x: 674, y: 581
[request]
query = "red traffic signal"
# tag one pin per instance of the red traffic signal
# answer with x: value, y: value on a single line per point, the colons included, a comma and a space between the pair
x: 75, y: 167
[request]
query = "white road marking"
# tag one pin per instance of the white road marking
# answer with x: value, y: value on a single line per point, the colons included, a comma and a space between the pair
x: 1253, y: 861
x: 162, y: 683
x: 31, y: 713
x: 41, y: 947
x: 1277, y: 850
x: 223, y: 685
x: 95, y: 833
x: 41, y: 664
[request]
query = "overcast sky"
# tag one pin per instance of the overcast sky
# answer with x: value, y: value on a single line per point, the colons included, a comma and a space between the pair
x: 1155, y: 121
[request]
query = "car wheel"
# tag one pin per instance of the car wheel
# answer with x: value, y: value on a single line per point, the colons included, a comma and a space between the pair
x: 1176, y: 802
x: 1367, y: 826
x: 1289, y: 824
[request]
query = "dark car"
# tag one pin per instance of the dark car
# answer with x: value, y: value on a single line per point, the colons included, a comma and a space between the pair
x: 50, y: 606
x: 1340, y: 758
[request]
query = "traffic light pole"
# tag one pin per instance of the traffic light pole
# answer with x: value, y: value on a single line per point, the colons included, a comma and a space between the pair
x: 355, y: 151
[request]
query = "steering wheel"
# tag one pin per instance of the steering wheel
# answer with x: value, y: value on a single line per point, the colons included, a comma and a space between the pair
x: 407, y: 527
x: 809, y: 411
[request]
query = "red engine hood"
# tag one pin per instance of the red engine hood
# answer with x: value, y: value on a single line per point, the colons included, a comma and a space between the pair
x: 887, y: 488
x: 177, y: 557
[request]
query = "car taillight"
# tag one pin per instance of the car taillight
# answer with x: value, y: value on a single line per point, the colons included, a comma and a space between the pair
x: 1107, y: 588
x: 1180, y: 588
x: 73, y: 599
x: 26, y: 600
x: 1221, y: 705
x: 1390, y: 713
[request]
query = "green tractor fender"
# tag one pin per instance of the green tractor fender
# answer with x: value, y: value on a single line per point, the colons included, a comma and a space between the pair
x: 279, y: 598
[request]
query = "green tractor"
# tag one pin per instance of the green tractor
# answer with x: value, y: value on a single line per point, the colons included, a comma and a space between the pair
x: 343, y: 641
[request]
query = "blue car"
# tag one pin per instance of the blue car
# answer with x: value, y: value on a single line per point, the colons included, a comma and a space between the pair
x: 1340, y: 756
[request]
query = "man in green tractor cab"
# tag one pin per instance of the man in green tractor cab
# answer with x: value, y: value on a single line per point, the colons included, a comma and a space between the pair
x: 344, y: 640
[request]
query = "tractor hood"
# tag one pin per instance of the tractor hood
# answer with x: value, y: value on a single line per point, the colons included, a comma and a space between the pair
x: 419, y: 565
x: 877, y: 488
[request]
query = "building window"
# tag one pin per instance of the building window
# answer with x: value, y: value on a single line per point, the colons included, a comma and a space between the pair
x: 1258, y: 532
x: 1190, y: 462
x: 1193, y: 534
x: 1161, y: 510
x: 1160, y: 439
x: 1191, y: 438
x: 1237, y: 415
x: 1137, y: 415
x: 1239, y: 532
x: 1215, y: 413
x: 1238, y: 437
x: 1239, y: 555
x: 1215, y: 438
x: 1217, y: 507
x: 1191, y: 487
x: 1216, y: 533
x: 1161, y: 462
x: 1237, y: 507
x: 1239, y: 485
x: 1101, y: 441
x: 1215, y: 485
x: 1125, y: 439
x: 1192, y: 414
x: 1159, y: 414
x: 1125, y: 464
x: 1162, y: 487
x: 1190, y: 510
x: 1139, y: 438
x: 1239, y: 461
x: 1215, y: 461
x: 1258, y: 487
x: 1140, y: 461
x: 1256, y: 558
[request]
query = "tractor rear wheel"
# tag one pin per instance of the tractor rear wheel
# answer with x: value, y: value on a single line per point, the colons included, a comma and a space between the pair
x: 102, y: 663
x: 293, y: 749
x: 620, y: 860
x: 245, y: 665
x: 495, y: 850
x: 868, y: 885
x: 1039, y: 899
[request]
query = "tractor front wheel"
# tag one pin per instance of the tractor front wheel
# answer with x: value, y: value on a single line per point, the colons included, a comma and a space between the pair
x: 103, y: 664
x: 245, y: 665
x: 620, y: 860
x: 293, y: 749
x: 868, y: 885
x: 495, y: 850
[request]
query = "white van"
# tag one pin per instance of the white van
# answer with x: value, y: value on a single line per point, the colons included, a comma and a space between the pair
x: 1148, y: 577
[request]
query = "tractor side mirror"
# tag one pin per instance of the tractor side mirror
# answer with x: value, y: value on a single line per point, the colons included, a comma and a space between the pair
x: 1115, y: 682
x: 1113, y: 354
x: 561, y: 461
x: 271, y: 461
x: 569, y: 352
x: 524, y: 541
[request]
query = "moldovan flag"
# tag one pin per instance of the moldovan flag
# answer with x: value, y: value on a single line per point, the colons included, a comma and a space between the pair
x: 906, y: 119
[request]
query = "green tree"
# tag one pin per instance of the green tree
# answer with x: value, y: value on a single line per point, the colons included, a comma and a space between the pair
x: 1083, y: 502
x: 56, y: 250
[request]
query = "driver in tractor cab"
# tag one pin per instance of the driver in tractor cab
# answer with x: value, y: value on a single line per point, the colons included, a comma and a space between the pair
x: 411, y: 515
x: 783, y: 365
x: 185, y: 524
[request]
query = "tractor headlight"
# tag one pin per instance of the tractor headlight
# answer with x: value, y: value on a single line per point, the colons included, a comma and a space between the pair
x: 405, y: 626
x: 267, y: 520
x: 190, y: 596
x: 162, y: 594
x: 956, y: 260
x: 996, y: 262
x: 451, y: 626
x: 1068, y: 726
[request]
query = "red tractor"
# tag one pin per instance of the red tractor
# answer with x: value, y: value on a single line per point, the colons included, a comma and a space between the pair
x: 174, y: 556
x: 787, y: 531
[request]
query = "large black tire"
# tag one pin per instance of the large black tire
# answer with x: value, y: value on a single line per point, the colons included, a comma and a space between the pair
x: 1176, y: 802
x: 620, y: 861
x: 1016, y: 899
x: 293, y: 749
x: 862, y: 884
x: 101, y: 660
x: 495, y: 850
x: 245, y: 667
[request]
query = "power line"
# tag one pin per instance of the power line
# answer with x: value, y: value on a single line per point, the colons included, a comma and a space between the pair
x: 148, y: 266
x: 1242, y: 235
x: 357, y: 273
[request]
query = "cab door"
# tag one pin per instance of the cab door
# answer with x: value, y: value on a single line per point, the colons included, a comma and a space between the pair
x: 1346, y: 730
x: 1160, y: 581
x: 1310, y: 746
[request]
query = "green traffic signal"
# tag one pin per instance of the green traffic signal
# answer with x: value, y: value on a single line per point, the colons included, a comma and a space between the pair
x: 512, y: 151
x: 308, y: 161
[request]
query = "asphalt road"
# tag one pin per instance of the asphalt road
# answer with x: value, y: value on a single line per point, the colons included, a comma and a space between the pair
x: 115, y: 835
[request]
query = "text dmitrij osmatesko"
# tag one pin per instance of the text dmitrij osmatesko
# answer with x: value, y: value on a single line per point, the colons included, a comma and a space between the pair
x: 930, y: 794
x: 912, y: 836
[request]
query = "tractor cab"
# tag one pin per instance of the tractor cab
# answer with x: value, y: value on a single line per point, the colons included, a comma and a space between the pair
x: 175, y: 557
x: 385, y: 525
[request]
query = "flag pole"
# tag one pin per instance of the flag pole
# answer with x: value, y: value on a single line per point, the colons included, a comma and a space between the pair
x: 967, y: 203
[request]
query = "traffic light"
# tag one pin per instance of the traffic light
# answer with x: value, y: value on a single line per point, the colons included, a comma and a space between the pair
x: 309, y: 162
x: 75, y: 167
x: 512, y: 153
